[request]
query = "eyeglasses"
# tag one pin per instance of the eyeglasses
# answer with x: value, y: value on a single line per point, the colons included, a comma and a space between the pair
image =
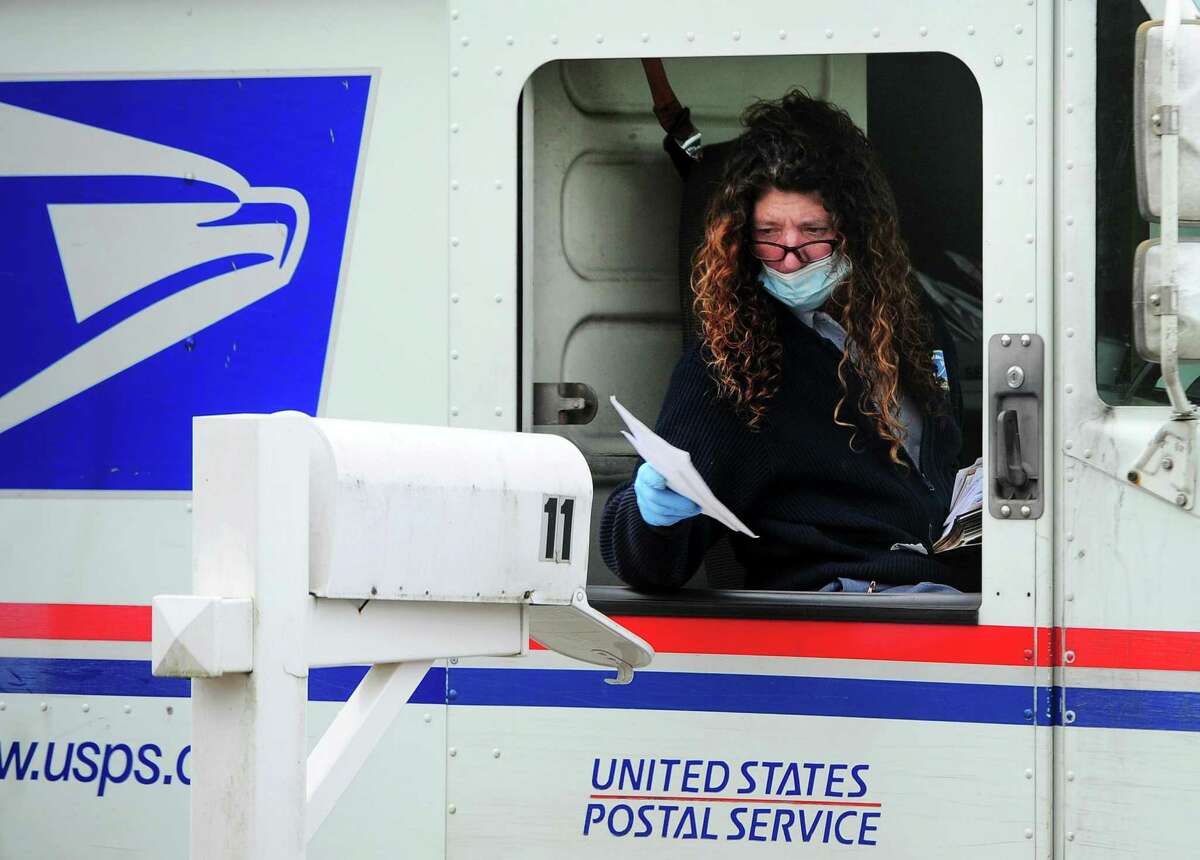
x: 809, y: 252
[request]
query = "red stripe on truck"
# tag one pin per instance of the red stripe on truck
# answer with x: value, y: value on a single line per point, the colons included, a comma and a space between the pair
x: 1099, y: 648
x: 842, y: 640
x: 110, y: 623
x: 1091, y: 648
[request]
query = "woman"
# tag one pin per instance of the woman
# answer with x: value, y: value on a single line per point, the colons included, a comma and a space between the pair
x: 817, y: 404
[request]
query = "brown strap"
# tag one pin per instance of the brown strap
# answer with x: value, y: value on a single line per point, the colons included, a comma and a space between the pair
x: 672, y: 116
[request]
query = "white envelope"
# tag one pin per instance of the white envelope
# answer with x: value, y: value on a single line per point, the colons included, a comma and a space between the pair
x: 675, y: 465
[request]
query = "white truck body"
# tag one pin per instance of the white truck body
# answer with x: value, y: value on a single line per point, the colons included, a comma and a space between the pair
x: 416, y: 213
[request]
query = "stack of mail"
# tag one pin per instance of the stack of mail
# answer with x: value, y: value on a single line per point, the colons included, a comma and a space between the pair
x: 964, y: 523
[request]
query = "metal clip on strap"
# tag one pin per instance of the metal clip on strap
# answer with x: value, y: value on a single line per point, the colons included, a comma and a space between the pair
x: 1165, y: 120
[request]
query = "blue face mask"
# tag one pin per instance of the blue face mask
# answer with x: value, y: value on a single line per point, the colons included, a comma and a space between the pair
x: 808, y: 288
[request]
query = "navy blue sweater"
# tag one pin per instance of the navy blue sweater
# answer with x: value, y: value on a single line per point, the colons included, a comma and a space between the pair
x: 822, y: 509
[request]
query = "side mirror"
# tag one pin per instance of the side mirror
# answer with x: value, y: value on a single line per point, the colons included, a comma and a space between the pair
x: 1166, y: 283
x: 1150, y: 302
x: 1154, y: 115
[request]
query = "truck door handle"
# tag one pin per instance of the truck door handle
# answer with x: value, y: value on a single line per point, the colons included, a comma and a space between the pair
x: 1015, y: 471
x: 1015, y: 385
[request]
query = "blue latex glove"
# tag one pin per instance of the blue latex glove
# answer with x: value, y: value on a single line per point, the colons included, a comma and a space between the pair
x: 658, y: 504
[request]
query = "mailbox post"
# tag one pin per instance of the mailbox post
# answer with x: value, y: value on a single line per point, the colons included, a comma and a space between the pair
x: 319, y: 542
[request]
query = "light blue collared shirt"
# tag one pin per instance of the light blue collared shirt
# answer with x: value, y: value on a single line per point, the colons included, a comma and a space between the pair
x: 910, y: 413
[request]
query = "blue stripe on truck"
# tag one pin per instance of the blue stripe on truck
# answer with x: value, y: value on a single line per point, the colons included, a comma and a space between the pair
x: 71, y: 677
x: 996, y: 704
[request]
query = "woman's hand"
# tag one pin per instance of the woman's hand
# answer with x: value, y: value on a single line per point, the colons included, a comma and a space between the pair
x: 658, y: 504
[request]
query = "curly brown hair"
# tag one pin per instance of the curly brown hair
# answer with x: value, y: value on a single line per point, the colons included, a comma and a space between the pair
x: 801, y: 144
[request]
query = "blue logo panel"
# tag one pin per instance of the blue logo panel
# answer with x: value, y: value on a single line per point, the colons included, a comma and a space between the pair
x: 169, y: 248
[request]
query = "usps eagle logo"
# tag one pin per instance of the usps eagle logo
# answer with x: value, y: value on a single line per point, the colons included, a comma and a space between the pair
x: 173, y: 247
x: 111, y: 250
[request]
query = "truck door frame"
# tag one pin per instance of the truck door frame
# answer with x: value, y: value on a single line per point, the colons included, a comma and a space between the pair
x: 1009, y: 47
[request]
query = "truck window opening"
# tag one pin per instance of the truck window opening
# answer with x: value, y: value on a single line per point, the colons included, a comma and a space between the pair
x: 616, y: 221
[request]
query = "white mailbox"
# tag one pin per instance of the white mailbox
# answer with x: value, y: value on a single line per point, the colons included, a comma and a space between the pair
x: 319, y: 542
x: 433, y: 513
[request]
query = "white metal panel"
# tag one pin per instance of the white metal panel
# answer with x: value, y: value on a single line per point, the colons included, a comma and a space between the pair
x: 386, y: 362
x: 76, y: 816
x: 494, y: 49
x: 395, y: 807
x: 520, y: 781
x: 115, y: 548
x: 1044, y: 559
x: 402, y: 783
x: 1130, y: 793
x: 1125, y: 559
x: 1098, y: 443
x: 522, y: 772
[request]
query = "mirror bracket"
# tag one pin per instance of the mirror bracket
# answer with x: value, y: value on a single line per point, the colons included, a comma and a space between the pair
x: 1164, y: 300
x: 1165, y: 120
x: 1167, y: 468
